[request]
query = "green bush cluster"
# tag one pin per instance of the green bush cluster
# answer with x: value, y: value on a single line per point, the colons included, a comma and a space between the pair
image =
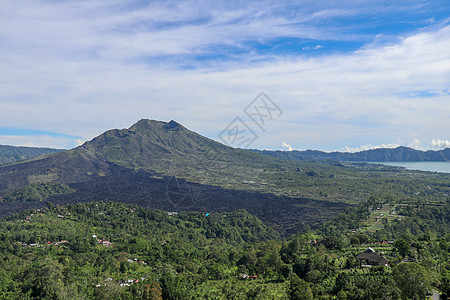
x: 37, y: 192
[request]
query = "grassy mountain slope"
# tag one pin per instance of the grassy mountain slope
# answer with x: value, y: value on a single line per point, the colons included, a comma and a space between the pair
x: 172, y: 149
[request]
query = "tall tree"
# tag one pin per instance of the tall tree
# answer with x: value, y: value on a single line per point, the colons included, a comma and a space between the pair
x: 413, y: 280
x: 299, y: 289
x: 152, y: 292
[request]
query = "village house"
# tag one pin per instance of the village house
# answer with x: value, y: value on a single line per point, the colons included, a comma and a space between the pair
x: 381, y: 243
x: 246, y: 276
x: 369, y: 258
x: 104, y: 242
x: 62, y: 242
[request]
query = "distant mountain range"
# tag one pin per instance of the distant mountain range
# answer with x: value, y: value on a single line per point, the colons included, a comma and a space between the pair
x: 123, y: 152
x: 375, y: 155
x: 10, y: 154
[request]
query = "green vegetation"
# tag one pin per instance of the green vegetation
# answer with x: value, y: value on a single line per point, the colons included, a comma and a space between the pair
x: 354, y: 183
x: 120, y: 251
x: 9, y: 154
x: 111, y: 250
x: 61, y: 252
x: 391, y: 219
x: 37, y: 192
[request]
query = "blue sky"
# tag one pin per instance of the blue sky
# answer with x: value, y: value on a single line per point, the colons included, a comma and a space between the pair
x: 348, y: 75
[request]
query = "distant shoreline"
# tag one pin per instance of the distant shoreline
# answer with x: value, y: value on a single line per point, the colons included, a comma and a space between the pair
x: 429, y: 166
x: 399, y: 154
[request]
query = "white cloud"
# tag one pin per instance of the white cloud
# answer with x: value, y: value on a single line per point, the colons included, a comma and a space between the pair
x: 370, y: 147
x: 111, y: 32
x: 440, y: 144
x: 416, y: 144
x: 286, y: 147
x: 436, y: 144
x: 80, y: 68
x: 316, y: 47
x: 78, y: 142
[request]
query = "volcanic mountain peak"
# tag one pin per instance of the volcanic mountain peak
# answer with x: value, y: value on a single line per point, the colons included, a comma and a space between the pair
x: 144, y: 132
x: 151, y: 144
x: 164, y: 147
x: 172, y: 125
x: 146, y: 125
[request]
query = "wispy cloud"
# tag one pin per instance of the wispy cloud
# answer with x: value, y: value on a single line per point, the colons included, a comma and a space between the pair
x: 286, y: 146
x: 440, y: 144
x: 316, y: 47
x: 435, y: 144
x: 370, y: 147
x: 79, y: 68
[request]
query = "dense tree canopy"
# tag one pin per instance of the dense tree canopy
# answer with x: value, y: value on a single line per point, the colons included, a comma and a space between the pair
x: 118, y: 251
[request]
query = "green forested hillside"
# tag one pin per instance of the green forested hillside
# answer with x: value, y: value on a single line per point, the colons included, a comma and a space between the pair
x: 10, y: 154
x: 65, y: 252
x: 118, y: 251
x: 37, y: 192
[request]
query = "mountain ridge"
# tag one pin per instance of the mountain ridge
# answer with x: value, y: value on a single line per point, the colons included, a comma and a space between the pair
x: 401, y: 153
x: 10, y: 154
x: 165, y: 146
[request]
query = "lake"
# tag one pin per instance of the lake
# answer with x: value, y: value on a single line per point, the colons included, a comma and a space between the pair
x: 432, y: 166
